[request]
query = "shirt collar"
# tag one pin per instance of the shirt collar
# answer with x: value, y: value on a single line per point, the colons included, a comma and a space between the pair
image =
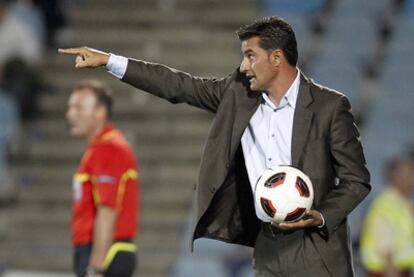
x: 107, y: 132
x: 289, y: 98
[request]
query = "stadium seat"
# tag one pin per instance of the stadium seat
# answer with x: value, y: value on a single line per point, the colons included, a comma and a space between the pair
x: 409, y: 7
x: 351, y: 36
x: 402, y: 43
x: 389, y: 123
x: 342, y: 76
x: 278, y: 6
x: 302, y: 26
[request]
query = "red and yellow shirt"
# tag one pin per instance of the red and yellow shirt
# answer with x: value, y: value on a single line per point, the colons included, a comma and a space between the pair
x: 107, y: 175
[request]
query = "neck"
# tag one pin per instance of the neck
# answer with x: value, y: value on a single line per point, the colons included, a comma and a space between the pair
x: 95, y: 132
x: 281, y: 84
x: 401, y: 190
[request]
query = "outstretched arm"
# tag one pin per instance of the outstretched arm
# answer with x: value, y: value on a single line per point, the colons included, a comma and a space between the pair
x: 165, y: 82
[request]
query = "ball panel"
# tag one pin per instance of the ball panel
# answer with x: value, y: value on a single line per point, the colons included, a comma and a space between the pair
x: 276, y: 180
x: 295, y: 215
x: 268, y: 207
x: 302, y: 187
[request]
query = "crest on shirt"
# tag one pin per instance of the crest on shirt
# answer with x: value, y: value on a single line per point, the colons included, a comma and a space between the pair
x: 106, y: 179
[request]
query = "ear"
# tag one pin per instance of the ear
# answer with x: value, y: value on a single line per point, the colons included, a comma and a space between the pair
x: 276, y: 57
x: 102, y: 112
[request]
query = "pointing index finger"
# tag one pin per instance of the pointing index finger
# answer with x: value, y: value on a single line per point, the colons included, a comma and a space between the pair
x: 71, y: 51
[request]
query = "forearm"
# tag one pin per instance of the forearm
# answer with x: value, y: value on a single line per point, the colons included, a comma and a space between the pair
x: 103, y: 236
x: 174, y: 85
x: 350, y: 167
x: 340, y: 202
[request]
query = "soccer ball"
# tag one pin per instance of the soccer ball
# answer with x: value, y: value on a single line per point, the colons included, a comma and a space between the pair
x: 283, y: 193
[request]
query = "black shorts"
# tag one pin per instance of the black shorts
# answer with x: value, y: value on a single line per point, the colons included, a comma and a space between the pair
x: 120, y: 260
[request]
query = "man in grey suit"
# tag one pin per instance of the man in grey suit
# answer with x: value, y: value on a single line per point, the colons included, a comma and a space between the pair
x: 266, y: 113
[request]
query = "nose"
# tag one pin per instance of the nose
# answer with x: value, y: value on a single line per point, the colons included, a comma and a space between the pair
x: 69, y: 114
x: 244, y: 66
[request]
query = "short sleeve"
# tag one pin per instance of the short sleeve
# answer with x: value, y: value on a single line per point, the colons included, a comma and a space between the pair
x: 108, y: 168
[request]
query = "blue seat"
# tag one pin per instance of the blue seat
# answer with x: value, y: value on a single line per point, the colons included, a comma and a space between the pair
x: 388, y: 131
x: 395, y: 89
x: 402, y: 43
x: 341, y: 76
x: 301, y: 26
x: 273, y: 7
x: 376, y: 9
x: 353, y: 37
x: 409, y: 7
x: 361, y: 8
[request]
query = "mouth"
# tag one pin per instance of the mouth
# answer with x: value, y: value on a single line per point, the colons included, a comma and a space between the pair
x: 70, y: 126
x: 251, y: 78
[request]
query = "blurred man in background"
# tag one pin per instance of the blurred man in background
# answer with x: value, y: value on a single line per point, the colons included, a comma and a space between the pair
x: 105, y: 188
x: 21, y: 54
x: 19, y: 38
x: 9, y: 122
x: 387, y: 242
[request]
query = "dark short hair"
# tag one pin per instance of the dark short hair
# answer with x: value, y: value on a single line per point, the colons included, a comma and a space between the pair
x: 274, y: 33
x: 394, y: 164
x: 102, y: 93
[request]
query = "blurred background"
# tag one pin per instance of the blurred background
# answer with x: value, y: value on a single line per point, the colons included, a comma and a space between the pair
x: 362, y: 48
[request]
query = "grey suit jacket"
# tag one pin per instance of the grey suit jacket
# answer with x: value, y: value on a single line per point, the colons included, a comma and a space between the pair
x: 325, y: 145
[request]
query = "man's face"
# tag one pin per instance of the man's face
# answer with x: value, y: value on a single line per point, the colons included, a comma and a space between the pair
x: 83, y: 115
x: 404, y: 176
x: 257, y: 64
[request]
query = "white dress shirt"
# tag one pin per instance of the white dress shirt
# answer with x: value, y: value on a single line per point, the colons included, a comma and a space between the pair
x: 267, y: 140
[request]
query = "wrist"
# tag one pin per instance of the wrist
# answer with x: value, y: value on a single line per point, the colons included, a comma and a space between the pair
x: 105, y: 58
x: 322, y: 221
x: 92, y: 271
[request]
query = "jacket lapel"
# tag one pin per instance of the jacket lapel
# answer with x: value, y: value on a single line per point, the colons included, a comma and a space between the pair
x: 302, y: 121
x: 247, y: 103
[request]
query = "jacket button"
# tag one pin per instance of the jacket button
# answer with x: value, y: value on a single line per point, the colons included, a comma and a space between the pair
x: 227, y: 165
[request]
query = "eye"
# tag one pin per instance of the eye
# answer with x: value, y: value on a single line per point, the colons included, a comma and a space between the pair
x: 250, y: 56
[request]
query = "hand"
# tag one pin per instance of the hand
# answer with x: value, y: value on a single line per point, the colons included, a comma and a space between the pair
x: 94, y: 275
x: 87, y: 57
x: 94, y: 272
x: 311, y: 218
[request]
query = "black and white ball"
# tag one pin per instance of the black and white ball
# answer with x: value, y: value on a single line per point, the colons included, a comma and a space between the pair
x: 283, y: 193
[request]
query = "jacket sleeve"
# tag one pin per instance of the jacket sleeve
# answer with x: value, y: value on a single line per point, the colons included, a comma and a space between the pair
x: 350, y: 167
x: 176, y: 86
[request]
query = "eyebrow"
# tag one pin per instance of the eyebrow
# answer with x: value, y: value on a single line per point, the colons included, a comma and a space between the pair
x: 248, y: 51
